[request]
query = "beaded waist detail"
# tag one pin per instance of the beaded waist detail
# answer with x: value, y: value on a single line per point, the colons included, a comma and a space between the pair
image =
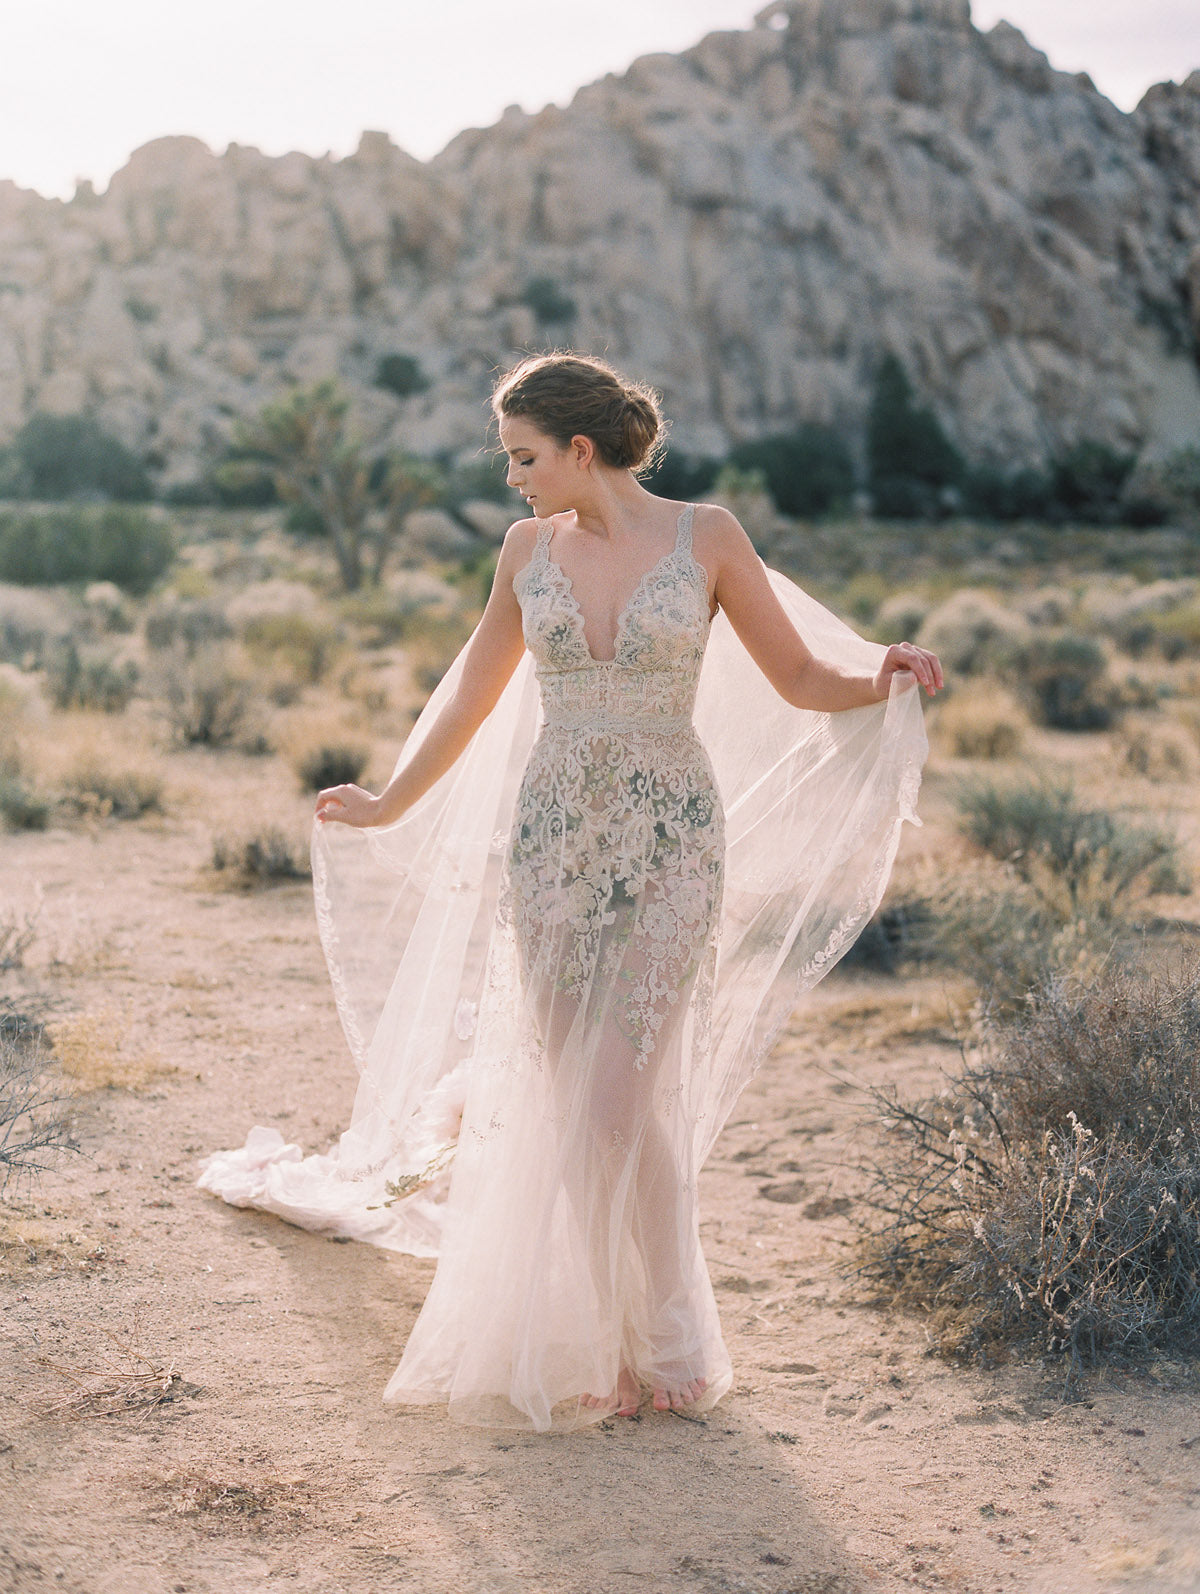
x: 615, y: 699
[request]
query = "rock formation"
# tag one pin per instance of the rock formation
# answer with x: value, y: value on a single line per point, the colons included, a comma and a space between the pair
x: 749, y: 224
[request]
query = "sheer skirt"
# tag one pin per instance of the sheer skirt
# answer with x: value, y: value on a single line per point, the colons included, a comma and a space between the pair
x: 572, y: 1220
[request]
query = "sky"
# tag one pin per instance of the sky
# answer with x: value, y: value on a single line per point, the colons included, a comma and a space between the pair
x: 83, y: 84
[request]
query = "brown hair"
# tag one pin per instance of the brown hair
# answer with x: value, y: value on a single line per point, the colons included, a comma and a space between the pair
x: 574, y: 395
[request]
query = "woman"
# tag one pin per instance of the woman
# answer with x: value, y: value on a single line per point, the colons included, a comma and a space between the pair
x: 625, y: 984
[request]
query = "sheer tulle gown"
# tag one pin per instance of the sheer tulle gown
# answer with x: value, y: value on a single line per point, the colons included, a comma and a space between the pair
x: 571, y: 1228
x: 574, y: 944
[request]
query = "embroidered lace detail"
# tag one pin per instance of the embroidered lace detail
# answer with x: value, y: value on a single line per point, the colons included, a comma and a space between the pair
x: 617, y: 851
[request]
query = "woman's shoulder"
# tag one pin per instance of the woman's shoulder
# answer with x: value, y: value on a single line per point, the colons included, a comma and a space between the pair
x: 519, y: 540
x: 717, y: 531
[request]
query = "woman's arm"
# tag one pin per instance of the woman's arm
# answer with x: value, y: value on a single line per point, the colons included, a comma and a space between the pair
x: 756, y: 614
x: 491, y: 657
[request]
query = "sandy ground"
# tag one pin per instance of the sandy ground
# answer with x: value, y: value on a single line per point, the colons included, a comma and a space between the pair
x: 845, y: 1458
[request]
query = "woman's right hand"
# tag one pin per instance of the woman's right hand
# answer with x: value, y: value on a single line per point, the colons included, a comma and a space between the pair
x: 348, y: 805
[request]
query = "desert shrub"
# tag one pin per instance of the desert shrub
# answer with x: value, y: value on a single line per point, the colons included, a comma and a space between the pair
x: 331, y: 764
x: 862, y: 596
x: 32, y: 623
x: 1172, y: 482
x: 401, y: 374
x: 1160, y: 616
x: 1082, y: 861
x: 910, y: 461
x: 1064, y: 680
x: 262, y: 858
x: 1176, y: 634
x: 482, y: 476
x: 67, y: 456
x: 117, y: 791
x: 1057, y: 892
x: 89, y: 678
x: 992, y: 493
x: 900, y: 617
x: 1160, y: 752
x: 34, y: 1124
x: 1172, y: 633
x: 22, y: 805
x: 18, y: 931
x: 296, y: 642
x: 207, y: 699
x: 982, y: 721
x: 679, y: 475
x: 1007, y: 938
x: 186, y: 623
x: 548, y: 302
x: 1087, y: 480
x: 807, y: 472
x: 1049, y: 1198
x: 973, y: 633
x: 46, y: 547
x: 892, y: 936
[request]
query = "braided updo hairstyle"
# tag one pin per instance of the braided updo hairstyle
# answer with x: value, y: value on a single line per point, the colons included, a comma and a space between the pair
x: 575, y: 395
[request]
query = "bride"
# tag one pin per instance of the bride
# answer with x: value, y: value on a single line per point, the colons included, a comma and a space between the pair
x: 567, y: 929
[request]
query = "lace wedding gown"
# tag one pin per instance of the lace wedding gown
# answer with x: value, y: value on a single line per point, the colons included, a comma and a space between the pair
x: 586, y: 990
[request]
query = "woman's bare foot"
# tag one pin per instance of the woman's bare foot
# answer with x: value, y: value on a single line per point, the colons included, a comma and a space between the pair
x: 678, y: 1397
x: 624, y: 1402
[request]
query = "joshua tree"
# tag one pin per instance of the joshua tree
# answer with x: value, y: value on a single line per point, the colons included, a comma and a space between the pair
x: 359, y: 500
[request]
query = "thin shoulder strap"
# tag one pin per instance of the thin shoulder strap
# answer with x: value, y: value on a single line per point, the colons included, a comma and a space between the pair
x: 541, y: 544
x: 683, y: 541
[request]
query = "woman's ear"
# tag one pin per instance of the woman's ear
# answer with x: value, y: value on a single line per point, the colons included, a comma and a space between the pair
x: 583, y: 451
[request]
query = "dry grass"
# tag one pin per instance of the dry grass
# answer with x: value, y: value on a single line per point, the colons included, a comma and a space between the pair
x: 1081, y: 862
x: 39, y: 1237
x: 233, y: 1501
x: 262, y: 858
x: 96, y: 1051
x: 331, y: 764
x: 100, y: 788
x: 1159, y: 752
x: 207, y: 697
x: 18, y: 932
x: 122, y: 1380
x: 982, y: 720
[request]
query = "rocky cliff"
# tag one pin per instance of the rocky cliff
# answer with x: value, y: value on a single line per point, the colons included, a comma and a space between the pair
x: 750, y: 224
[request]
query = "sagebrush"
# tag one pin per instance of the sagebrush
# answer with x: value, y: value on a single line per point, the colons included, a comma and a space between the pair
x: 1049, y: 1198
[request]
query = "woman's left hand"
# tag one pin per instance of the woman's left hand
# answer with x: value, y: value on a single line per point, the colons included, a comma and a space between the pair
x: 916, y: 661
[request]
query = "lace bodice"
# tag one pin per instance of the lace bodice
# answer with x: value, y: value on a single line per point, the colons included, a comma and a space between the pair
x: 618, y: 838
x: 651, y: 679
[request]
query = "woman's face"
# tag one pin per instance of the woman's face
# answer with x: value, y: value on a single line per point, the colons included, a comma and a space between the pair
x: 546, y: 474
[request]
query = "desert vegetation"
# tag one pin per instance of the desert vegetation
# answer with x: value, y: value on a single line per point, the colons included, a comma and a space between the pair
x: 1011, y: 1170
x: 1049, y: 1197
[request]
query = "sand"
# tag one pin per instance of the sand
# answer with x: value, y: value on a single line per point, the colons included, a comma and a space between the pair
x: 235, y: 1441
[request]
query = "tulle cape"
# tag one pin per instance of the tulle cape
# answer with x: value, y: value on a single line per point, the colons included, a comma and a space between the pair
x: 814, y: 805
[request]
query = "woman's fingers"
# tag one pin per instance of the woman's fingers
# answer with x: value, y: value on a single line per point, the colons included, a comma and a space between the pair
x: 349, y: 805
x: 926, y: 666
x: 336, y: 802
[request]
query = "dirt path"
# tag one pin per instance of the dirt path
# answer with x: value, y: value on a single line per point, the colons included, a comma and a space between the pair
x: 844, y: 1459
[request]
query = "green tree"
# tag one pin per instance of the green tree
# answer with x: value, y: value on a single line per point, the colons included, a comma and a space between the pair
x: 548, y: 301
x: 401, y: 374
x: 910, y: 460
x: 807, y: 472
x: 72, y: 456
x: 306, y: 441
x: 1088, y: 480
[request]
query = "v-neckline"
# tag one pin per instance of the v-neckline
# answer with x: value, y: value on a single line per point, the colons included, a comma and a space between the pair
x: 576, y: 610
